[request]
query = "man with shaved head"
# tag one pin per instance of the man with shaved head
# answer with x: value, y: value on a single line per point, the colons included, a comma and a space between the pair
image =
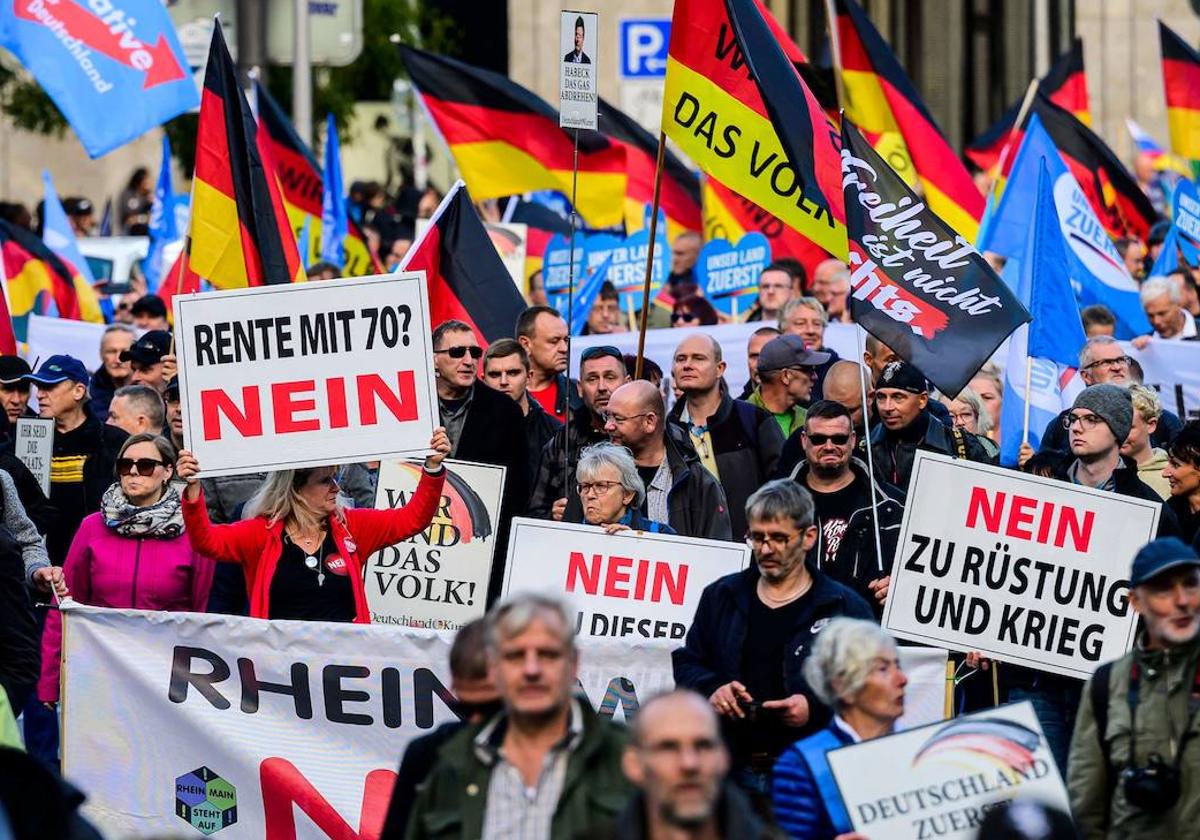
x: 678, y: 763
x: 679, y: 490
x: 737, y: 442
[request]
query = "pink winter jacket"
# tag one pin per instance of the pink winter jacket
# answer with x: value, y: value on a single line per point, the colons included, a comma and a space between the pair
x: 105, y: 569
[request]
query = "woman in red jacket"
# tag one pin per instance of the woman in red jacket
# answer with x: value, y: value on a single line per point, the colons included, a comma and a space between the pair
x: 302, y: 553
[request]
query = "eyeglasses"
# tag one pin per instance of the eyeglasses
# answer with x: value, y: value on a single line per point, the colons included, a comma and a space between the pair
x: 676, y: 317
x: 587, y: 488
x: 608, y: 417
x: 1119, y: 362
x: 1087, y: 422
x: 817, y: 439
x: 757, y: 539
x: 463, y: 349
x: 600, y: 352
x: 144, y: 466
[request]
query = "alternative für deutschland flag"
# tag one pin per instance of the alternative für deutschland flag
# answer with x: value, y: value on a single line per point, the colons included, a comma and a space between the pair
x: 300, y: 182
x: 506, y: 139
x: 239, y: 233
x: 1181, y: 78
x: 882, y: 101
x: 736, y: 106
x: 1065, y: 85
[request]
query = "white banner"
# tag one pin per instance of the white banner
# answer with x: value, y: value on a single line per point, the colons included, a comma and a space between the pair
x: 661, y: 344
x: 629, y: 585
x: 437, y: 579
x: 1173, y: 369
x: 940, y: 780
x: 1022, y: 568
x: 296, y: 375
x: 34, y: 447
x: 49, y: 336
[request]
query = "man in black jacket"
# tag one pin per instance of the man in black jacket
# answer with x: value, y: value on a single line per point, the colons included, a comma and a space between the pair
x: 842, y: 488
x: 85, y: 450
x: 679, y: 490
x: 484, y: 426
x: 737, y: 442
x: 753, y: 631
x: 14, y: 393
x: 506, y: 368
x: 906, y: 425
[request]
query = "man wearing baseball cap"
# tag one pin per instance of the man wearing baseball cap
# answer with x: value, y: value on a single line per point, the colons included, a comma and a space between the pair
x: 84, y: 453
x: 150, y: 313
x: 14, y: 393
x: 145, y: 357
x: 901, y: 400
x: 787, y: 370
x: 1145, y: 786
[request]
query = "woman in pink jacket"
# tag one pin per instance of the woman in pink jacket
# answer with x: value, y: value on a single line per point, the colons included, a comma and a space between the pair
x: 133, y: 553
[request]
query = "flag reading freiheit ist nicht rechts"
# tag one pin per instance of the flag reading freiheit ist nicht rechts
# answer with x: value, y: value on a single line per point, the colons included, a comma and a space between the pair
x: 915, y: 284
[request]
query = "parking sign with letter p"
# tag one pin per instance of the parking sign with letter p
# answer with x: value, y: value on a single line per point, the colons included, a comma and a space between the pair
x: 644, y: 47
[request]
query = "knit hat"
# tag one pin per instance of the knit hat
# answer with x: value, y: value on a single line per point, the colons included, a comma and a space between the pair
x: 1112, y: 404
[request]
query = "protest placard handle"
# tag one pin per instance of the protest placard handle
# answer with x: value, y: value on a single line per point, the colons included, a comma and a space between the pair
x: 948, y: 709
x: 570, y: 313
x: 658, y: 170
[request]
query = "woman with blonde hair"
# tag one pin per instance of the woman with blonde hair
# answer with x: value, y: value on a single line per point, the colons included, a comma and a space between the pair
x: 302, y: 553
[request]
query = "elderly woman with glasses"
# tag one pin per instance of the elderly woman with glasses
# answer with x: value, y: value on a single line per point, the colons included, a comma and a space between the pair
x: 612, y: 492
x: 854, y: 668
x: 302, y: 553
x: 133, y: 553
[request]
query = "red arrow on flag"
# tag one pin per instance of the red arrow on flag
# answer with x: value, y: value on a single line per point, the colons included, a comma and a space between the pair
x: 115, y: 41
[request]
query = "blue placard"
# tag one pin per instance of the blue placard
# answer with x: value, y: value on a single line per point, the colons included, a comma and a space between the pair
x: 627, y: 271
x: 728, y: 274
x: 115, y: 73
x: 644, y: 47
x: 556, y: 264
x: 1186, y: 214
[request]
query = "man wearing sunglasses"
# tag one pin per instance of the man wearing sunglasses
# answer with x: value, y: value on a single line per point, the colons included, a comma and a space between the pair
x: 484, y: 425
x: 841, y: 488
x: 1101, y: 360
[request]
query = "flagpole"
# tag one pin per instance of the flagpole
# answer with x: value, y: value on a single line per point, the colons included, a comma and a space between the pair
x: 658, y: 171
x: 1028, y: 379
x: 835, y: 49
x: 1026, y: 104
x: 862, y: 384
x: 570, y: 316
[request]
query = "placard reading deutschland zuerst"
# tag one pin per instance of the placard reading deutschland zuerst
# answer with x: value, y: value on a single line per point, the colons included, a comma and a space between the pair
x: 287, y: 376
x: 577, y: 71
x: 940, y: 780
x: 1022, y: 568
x: 627, y: 586
x: 437, y: 579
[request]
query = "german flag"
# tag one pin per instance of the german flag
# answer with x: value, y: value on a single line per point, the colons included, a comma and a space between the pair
x: 40, y: 282
x: 882, y: 101
x: 465, y: 276
x: 680, y: 195
x: 1114, y: 194
x: 239, y: 233
x: 736, y: 105
x: 728, y: 215
x: 818, y: 80
x: 1181, y: 79
x: 301, y: 184
x: 1065, y: 85
x: 506, y: 139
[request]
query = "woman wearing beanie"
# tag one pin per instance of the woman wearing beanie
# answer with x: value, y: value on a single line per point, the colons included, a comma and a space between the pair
x: 133, y: 553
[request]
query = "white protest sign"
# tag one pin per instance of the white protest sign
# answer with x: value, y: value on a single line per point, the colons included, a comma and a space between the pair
x: 629, y: 585
x: 35, y: 446
x: 437, y: 579
x: 1022, y: 568
x: 1172, y: 368
x: 299, y: 375
x: 268, y: 729
x: 51, y: 336
x: 577, y: 70
x: 940, y: 780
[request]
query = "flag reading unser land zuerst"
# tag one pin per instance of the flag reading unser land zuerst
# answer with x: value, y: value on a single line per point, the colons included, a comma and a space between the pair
x: 915, y: 284
x: 736, y: 106
x: 282, y: 377
x: 1022, y: 568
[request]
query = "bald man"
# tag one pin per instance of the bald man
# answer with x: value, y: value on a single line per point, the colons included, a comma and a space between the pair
x: 685, y: 250
x: 679, y: 490
x: 831, y: 286
x: 737, y: 442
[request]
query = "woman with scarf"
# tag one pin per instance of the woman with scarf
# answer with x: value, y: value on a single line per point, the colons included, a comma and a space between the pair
x: 133, y: 553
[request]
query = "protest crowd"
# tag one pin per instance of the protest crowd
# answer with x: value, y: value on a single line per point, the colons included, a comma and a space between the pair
x: 925, y: 449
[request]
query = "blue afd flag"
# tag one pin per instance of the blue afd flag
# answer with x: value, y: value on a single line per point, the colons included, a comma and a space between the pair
x: 1183, y: 237
x: 1056, y: 332
x: 585, y: 298
x: 163, y: 229
x: 334, y: 221
x: 57, y: 232
x: 1098, y: 273
x: 115, y: 73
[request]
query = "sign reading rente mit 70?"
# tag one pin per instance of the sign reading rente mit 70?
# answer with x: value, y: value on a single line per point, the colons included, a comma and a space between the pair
x: 301, y: 375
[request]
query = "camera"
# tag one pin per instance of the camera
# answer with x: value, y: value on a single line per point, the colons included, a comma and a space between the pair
x: 1154, y: 787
